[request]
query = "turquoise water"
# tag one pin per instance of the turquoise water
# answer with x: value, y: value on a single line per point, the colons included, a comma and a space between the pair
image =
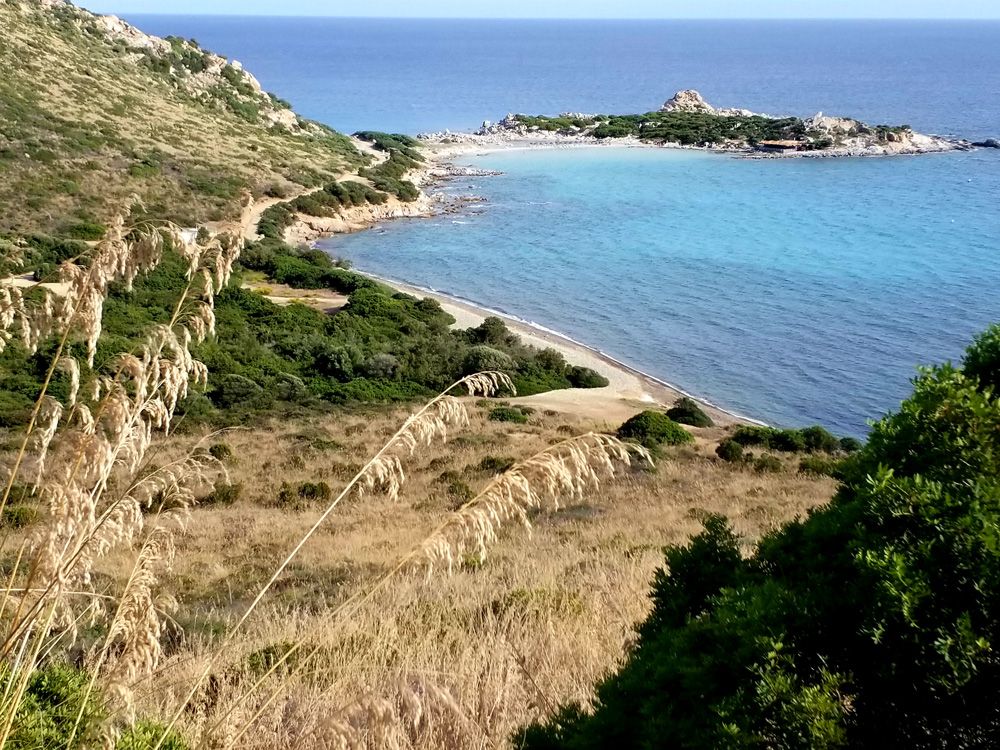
x: 795, y: 291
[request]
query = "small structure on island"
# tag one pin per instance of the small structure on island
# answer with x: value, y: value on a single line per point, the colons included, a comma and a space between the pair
x: 779, y: 147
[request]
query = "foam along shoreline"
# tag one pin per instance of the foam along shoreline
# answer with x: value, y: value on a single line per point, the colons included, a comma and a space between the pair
x: 629, y: 390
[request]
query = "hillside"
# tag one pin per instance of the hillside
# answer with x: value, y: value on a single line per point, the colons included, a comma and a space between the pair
x: 93, y: 110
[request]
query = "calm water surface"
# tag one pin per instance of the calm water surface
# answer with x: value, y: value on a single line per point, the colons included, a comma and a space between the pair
x: 794, y: 291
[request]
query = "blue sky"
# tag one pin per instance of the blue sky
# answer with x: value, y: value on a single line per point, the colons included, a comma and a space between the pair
x: 566, y: 8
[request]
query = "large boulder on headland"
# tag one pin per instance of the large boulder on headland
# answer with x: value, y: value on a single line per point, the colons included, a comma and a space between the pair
x: 688, y: 100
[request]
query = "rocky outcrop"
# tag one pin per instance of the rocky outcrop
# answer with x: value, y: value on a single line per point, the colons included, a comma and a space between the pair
x: 988, y: 143
x: 690, y: 100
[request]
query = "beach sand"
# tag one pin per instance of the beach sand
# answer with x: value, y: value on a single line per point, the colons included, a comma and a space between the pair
x: 629, y: 391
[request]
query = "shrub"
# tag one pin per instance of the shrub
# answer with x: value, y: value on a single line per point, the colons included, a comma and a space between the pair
x: 496, y: 464
x: 18, y: 515
x: 220, y: 451
x: 145, y: 735
x: 223, y: 493
x: 653, y: 429
x: 818, y: 440
x: 687, y: 411
x: 767, y: 464
x: 821, y: 466
x: 508, y: 414
x: 729, y: 450
x: 584, y: 377
x: 55, y: 696
x: 850, y: 445
x: 870, y: 623
x: 482, y: 358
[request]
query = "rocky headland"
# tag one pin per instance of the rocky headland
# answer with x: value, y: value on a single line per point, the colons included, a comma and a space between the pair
x: 687, y: 120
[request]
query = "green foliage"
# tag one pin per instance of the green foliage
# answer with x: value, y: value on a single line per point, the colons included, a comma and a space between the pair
x: 654, y: 429
x: 982, y: 360
x: 821, y: 466
x: 508, y: 414
x: 688, y: 411
x: 729, y: 450
x: 18, y: 515
x: 146, y: 735
x: 872, y: 623
x: 223, y: 493
x: 85, y: 230
x: 585, y: 377
x: 299, y: 495
x: 811, y: 439
x: 767, y: 463
x: 49, y: 709
x: 220, y: 451
x: 496, y: 464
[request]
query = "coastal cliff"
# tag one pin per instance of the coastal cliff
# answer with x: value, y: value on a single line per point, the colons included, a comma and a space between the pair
x: 687, y: 120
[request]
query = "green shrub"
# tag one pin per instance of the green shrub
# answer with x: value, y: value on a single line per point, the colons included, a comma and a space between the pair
x: 85, y: 230
x: 767, y: 464
x: 508, y: 414
x: 223, y: 493
x: 496, y: 464
x: 870, y: 623
x: 220, y: 451
x: 55, y: 696
x: 730, y: 450
x: 18, y: 515
x: 146, y: 735
x: 818, y: 440
x: 850, y: 445
x: 687, y: 411
x: 821, y: 466
x: 653, y: 429
x: 486, y: 358
x: 584, y: 377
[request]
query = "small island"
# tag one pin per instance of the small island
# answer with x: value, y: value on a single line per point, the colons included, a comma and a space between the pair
x: 688, y: 121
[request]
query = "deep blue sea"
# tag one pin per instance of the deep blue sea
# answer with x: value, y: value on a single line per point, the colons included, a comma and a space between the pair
x: 795, y: 291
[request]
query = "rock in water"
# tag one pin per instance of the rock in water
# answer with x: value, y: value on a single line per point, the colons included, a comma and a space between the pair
x: 988, y: 143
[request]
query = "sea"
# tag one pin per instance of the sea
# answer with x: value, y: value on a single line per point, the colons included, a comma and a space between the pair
x: 796, y: 292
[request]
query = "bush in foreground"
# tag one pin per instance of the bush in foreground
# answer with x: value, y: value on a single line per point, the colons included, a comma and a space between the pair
x: 872, y: 623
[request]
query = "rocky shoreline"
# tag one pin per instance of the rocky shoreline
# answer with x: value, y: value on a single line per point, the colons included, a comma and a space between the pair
x: 820, y: 136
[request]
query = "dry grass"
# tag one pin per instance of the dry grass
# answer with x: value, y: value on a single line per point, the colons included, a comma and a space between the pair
x: 451, y: 661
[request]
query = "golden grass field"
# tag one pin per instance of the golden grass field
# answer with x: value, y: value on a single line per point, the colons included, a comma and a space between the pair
x: 454, y: 661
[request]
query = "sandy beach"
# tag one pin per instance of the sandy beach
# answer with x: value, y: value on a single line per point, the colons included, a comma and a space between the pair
x: 629, y: 390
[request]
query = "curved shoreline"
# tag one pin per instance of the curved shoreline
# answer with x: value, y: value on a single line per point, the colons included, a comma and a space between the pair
x: 630, y: 386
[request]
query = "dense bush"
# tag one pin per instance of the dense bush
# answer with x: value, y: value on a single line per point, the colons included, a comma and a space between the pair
x: 688, y: 411
x: 653, y: 429
x: 872, y: 623
x: 811, y: 439
x: 508, y: 414
x: 729, y: 450
x: 584, y: 377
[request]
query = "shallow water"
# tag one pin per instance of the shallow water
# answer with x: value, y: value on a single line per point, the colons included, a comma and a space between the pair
x: 795, y: 291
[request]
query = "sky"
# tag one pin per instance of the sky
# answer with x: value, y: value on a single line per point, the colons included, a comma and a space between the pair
x: 563, y: 8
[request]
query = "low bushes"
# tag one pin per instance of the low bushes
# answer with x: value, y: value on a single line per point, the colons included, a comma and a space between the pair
x: 810, y: 439
x: 687, y: 411
x: 512, y: 414
x: 654, y: 429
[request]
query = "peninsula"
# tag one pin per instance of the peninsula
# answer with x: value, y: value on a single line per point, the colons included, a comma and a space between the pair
x: 688, y: 121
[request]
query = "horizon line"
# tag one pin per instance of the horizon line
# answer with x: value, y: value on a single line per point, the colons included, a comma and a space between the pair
x: 564, y: 18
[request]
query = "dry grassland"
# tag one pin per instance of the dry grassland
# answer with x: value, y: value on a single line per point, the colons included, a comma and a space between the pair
x: 442, y: 662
